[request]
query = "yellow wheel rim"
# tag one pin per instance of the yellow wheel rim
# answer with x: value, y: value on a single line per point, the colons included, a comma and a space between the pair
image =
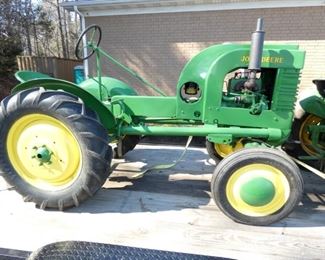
x: 44, y: 152
x: 225, y: 149
x: 256, y: 172
x: 305, y: 135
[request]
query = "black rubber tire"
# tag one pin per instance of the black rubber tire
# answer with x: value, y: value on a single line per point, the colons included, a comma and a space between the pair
x: 244, y: 157
x: 212, y: 152
x: 83, y: 122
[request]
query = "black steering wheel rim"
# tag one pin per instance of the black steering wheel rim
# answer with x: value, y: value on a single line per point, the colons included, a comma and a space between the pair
x: 94, y: 27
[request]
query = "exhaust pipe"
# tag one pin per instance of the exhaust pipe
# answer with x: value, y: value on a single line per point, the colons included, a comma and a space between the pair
x: 255, y: 56
x: 257, y: 46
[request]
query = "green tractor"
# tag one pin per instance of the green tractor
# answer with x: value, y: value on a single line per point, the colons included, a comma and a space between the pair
x: 55, y: 135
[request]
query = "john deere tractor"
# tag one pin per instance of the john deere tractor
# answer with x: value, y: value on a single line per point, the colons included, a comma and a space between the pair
x: 55, y: 135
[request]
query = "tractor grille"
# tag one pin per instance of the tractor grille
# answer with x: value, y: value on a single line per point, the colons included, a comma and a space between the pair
x: 286, y: 90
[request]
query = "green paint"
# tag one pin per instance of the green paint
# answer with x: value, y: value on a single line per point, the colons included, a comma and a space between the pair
x: 257, y: 192
x: 221, y: 138
x: 43, y: 154
x: 314, y: 105
x: 265, y: 113
x: 25, y: 75
x: 317, y: 133
x: 110, y: 87
x: 141, y: 106
x: 202, y: 130
x: 209, y: 69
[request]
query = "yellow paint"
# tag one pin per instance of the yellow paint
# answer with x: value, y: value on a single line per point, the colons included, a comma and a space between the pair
x: 249, y: 172
x: 36, y: 130
x: 305, y: 135
x: 225, y: 149
x: 265, y: 59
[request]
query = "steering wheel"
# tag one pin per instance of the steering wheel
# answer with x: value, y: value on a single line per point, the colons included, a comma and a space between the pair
x: 93, y: 34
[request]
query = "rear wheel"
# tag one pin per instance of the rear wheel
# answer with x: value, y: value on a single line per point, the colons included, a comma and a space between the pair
x: 219, y: 151
x: 300, y: 142
x: 53, y: 149
x: 257, y: 186
x: 305, y: 135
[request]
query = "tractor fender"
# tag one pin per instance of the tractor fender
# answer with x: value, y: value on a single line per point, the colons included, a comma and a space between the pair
x: 26, y: 75
x: 105, y: 115
x: 314, y: 105
x: 110, y: 87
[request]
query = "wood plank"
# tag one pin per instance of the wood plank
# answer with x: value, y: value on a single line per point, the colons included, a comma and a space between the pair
x: 169, y: 210
x: 19, y: 64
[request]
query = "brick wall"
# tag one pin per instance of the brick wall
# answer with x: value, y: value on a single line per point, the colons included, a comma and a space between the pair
x: 157, y: 46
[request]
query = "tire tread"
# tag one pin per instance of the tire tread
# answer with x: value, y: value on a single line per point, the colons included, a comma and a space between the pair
x: 83, y: 122
x: 244, y: 157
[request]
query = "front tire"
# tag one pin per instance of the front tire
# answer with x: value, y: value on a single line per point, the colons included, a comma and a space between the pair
x: 53, y: 149
x: 257, y: 186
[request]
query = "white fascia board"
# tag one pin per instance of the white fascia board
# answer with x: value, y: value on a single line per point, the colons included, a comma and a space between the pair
x: 69, y: 5
x: 109, y: 2
x: 90, y: 10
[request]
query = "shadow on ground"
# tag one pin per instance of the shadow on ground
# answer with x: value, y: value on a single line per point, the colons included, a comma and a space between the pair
x: 186, y: 185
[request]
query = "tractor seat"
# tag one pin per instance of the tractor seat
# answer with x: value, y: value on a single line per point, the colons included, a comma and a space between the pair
x: 320, y: 84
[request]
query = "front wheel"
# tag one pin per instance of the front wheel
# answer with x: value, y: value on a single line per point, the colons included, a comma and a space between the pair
x: 53, y: 149
x: 257, y: 186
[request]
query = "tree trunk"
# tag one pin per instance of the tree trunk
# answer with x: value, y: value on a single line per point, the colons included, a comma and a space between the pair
x: 64, y: 50
x: 58, y: 45
x: 27, y: 26
x: 66, y: 31
x: 35, y: 35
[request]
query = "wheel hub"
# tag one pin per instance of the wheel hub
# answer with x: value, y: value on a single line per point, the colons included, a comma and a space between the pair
x: 42, y: 154
x: 257, y: 192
